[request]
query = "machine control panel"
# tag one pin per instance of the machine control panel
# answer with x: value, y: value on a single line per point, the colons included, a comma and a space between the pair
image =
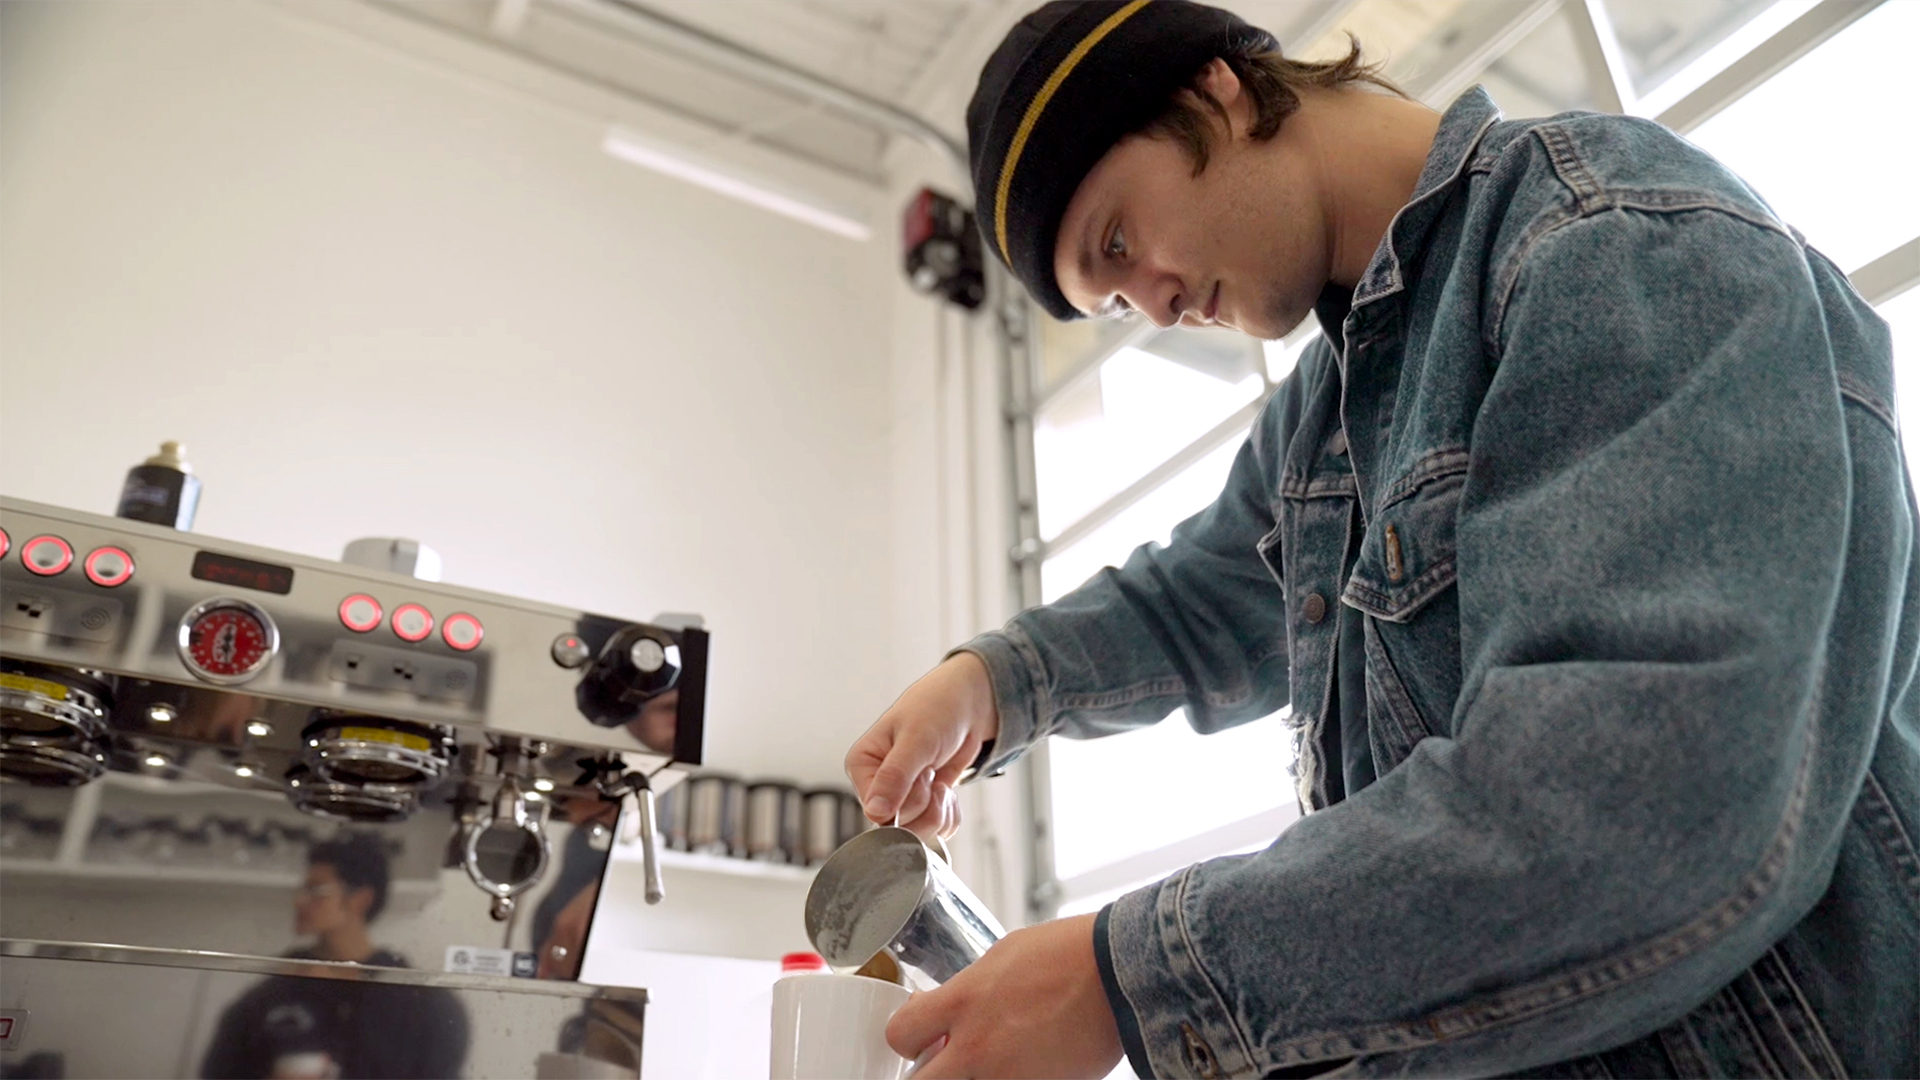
x: 132, y: 599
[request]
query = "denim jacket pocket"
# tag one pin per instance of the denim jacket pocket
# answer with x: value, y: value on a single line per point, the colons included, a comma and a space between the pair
x: 1394, y: 722
x: 1407, y: 555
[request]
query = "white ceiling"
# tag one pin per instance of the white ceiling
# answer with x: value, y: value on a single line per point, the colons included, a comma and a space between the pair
x: 923, y: 56
x: 903, y: 52
x: 880, y: 48
x: 876, y: 46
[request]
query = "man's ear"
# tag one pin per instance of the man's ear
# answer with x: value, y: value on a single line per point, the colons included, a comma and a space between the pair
x: 1218, y: 79
x: 360, y: 901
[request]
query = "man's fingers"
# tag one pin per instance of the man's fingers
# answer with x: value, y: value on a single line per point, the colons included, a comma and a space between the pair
x: 913, y: 809
x: 924, y: 1018
x: 929, y: 1064
x: 868, y: 753
x: 908, y: 766
x: 940, y: 818
x: 950, y: 770
x: 949, y: 811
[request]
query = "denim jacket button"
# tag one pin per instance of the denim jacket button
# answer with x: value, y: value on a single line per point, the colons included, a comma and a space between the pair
x: 1200, y: 1056
x: 1338, y: 444
x: 1314, y: 608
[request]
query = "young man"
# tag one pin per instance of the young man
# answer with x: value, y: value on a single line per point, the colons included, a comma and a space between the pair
x: 1582, y: 548
x: 345, y: 890
x: 331, y: 1024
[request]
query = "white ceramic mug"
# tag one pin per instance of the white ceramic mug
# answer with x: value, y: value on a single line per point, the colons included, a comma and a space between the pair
x: 834, y: 1027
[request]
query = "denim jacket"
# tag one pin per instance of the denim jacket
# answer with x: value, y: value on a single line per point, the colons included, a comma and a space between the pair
x: 1582, y: 549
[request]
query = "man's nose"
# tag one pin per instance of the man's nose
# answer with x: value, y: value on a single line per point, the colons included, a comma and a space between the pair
x: 1155, y: 294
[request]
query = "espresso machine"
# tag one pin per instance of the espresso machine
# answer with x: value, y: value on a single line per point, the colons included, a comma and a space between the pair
x: 193, y: 732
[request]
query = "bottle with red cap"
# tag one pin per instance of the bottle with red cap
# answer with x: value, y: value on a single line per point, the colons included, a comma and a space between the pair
x: 802, y: 963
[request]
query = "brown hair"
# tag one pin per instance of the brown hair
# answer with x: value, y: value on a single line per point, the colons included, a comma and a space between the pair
x: 1273, y: 84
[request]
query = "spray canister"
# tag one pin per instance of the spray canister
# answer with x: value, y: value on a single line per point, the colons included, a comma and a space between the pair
x: 162, y: 491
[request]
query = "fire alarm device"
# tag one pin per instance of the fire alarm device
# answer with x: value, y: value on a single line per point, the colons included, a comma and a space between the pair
x: 943, y: 250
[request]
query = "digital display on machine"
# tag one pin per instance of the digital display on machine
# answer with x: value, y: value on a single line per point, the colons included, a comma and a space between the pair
x: 245, y: 573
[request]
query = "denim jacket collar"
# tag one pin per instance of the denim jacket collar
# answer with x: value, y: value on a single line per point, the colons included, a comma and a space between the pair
x: 1461, y: 128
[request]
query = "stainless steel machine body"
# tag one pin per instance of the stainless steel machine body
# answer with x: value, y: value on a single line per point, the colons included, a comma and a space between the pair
x: 112, y: 1011
x: 198, y: 737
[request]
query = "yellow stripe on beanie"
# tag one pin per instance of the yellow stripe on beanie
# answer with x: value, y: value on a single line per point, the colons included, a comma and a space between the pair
x: 1034, y: 110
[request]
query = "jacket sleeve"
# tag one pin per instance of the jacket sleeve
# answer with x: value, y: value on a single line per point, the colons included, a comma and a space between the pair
x: 1199, y: 624
x: 1653, y: 543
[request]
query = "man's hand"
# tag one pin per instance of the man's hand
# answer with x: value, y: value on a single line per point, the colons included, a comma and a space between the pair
x: 1033, y: 1006
x: 909, y: 760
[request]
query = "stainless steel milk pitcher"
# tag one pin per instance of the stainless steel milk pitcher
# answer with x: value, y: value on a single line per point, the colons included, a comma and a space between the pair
x: 885, y: 890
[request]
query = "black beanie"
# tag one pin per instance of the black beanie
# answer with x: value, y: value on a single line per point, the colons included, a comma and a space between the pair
x: 1070, y: 80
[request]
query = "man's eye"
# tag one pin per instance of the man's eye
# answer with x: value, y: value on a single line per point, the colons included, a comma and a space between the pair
x: 1116, y: 245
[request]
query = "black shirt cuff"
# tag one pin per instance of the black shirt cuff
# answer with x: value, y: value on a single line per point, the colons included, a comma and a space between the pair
x: 1123, y: 1017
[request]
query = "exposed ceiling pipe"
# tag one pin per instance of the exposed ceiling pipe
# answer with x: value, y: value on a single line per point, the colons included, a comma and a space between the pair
x: 749, y: 63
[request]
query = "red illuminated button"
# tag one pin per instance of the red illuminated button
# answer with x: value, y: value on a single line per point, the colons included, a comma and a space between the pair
x: 46, y: 555
x: 462, y: 631
x: 569, y: 651
x: 360, y: 613
x: 411, y: 622
x: 109, y: 566
x: 6, y: 543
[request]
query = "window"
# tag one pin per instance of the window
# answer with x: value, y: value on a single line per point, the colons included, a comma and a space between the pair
x: 1835, y: 119
x: 1660, y: 39
x: 1136, y: 410
x: 1903, y: 314
x: 1101, y: 782
x: 1157, y: 421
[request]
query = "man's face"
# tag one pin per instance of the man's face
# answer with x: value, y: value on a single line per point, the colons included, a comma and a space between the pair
x: 1240, y: 245
x: 324, y: 902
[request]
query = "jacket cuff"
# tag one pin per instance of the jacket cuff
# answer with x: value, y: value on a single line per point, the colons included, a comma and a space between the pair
x: 1182, y: 1026
x: 1014, y: 669
x: 1123, y: 1017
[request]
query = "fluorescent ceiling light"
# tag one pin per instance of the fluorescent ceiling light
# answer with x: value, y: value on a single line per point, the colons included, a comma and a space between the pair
x: 730, y: 181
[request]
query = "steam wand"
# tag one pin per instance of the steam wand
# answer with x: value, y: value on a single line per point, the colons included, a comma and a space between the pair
x: 617, y: 783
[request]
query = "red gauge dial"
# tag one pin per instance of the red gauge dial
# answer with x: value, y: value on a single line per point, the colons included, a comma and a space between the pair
x: 228, y: 643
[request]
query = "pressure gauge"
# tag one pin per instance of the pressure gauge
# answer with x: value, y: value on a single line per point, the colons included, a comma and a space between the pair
x: 226, y: 641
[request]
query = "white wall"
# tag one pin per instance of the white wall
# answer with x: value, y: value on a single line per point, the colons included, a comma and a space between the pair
x: 377, y: 298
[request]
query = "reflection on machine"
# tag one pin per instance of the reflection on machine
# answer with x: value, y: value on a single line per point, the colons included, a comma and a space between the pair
x: 330, y: 820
